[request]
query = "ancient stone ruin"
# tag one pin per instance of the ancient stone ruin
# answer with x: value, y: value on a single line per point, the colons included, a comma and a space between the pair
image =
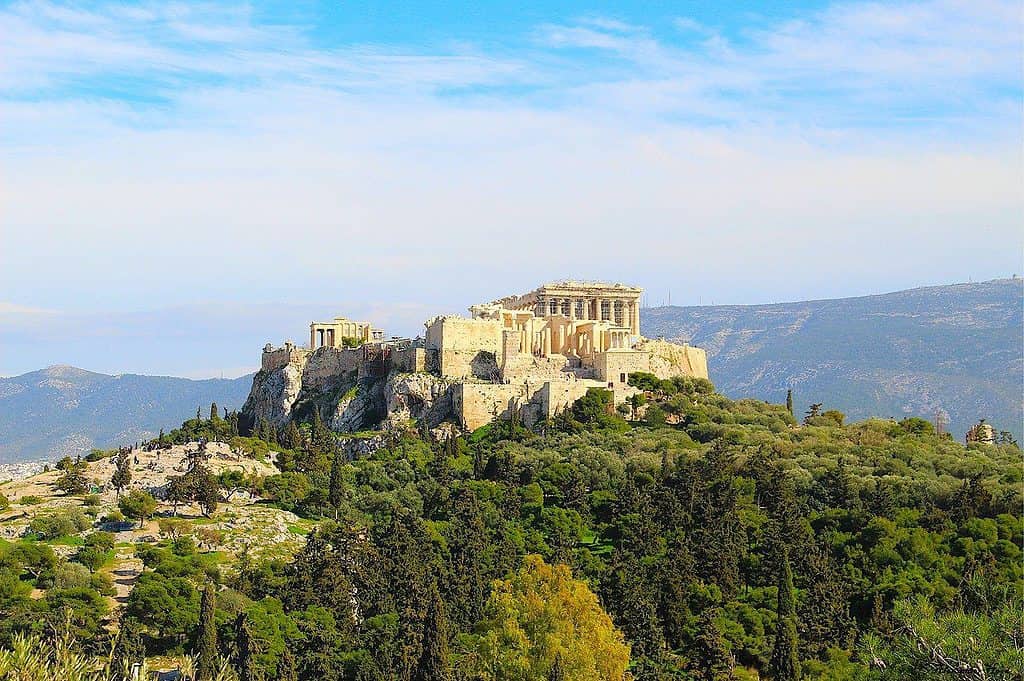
x: 532, y: 355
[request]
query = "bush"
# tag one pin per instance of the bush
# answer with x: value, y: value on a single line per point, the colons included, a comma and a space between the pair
x: 71, y: 576
x: 30, y: 500
x: 99, y: 454
x: 59, y: 524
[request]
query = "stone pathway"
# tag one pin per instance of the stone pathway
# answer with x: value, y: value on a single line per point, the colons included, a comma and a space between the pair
x: 127, y: 569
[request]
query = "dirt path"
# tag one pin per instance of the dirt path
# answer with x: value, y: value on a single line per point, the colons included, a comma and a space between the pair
x: 125, y: 573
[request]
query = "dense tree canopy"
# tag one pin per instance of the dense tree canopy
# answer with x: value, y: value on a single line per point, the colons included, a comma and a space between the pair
x: 709, y: 538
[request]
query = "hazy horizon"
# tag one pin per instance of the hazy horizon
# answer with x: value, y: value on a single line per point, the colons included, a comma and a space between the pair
x: 226, y: 332
x: 191, y: 177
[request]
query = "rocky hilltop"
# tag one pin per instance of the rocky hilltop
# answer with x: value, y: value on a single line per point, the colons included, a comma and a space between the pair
x: 349, y: 394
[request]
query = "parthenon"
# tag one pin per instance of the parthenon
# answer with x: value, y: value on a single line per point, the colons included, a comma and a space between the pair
x: 583, y: 300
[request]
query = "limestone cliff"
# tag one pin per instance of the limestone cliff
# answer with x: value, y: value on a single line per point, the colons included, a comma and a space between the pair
x: 272, y: 395
x: 348, y: 392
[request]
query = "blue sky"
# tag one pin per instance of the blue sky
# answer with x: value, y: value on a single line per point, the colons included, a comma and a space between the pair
x: 182, y: 182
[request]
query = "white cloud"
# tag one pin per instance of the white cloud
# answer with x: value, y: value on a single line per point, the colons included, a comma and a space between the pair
x: 750, y: 168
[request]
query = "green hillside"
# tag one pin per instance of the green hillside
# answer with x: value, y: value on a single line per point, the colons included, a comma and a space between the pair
x: 685, y: 536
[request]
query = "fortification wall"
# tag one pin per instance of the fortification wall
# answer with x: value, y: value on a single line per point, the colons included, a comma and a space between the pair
x: 278, y: 358
x: 409, y: 360
x: 326, y: 366
x: 467, y: 348
x: 557, y: 396
x: 477, y: 404
x: 614, y: 367
x: 520, y: 367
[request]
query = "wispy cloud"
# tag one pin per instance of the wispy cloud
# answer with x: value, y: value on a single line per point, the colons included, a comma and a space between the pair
x: 160, y: 154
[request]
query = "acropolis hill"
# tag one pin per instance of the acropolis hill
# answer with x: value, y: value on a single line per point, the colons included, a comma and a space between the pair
x: 533, y: 355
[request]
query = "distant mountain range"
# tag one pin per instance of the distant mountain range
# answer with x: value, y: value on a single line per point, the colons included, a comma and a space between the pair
x: 956, y: 349
x: 65, y: 410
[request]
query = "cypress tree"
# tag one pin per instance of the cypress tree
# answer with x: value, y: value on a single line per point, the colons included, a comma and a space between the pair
x: 785, y: 663
x: 710, y: 660
x: 292, y: 436
x: 335, y: 493
x: 286, y: 666
x: 122, y: 476
x: 206, y: 637
x: 214, y: 412
x: 434, y: 664
x: 789, y: 401
x: 243, y: 637
x: 320, y: 438
x: 128, y: 647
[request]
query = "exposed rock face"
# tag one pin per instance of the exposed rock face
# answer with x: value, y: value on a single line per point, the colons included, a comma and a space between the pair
x: 274, y: 394
x: 360, y: 409
x: 349, y: 397
x: 424, y: 397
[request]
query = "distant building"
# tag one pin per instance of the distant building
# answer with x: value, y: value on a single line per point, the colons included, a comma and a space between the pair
x: 981, y: 432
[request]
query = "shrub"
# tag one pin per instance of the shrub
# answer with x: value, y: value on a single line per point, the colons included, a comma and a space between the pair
x: 59, y: 524
x: 98, y: 454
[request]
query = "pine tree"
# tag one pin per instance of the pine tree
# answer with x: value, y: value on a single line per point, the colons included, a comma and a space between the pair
x: 710, y: 660
x: 336, y: 492
x: 785, y: 663
x: 199, y: 414
x: 206, y: 637
x: 163, y: 438
x: 434, y: 664
x: 789, y: 401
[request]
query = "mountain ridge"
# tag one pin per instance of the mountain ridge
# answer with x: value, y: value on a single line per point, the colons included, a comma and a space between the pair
x: 63, y: 409
x: 956, y: 349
